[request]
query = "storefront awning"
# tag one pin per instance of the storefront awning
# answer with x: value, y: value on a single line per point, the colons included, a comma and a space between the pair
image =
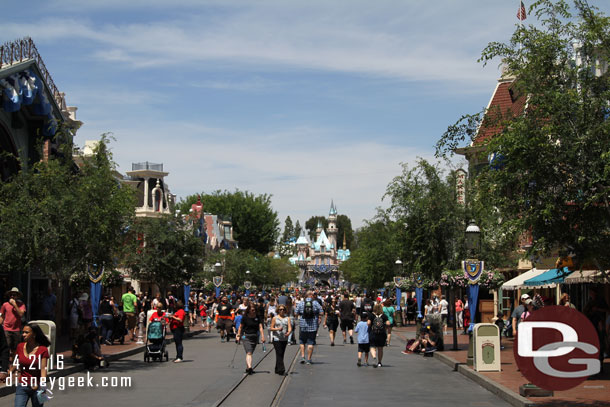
x: 549, y: 278
x: 586, y: 276
x: 517, y: 282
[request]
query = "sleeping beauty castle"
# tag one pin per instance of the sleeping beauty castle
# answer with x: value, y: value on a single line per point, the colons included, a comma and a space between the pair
x: 319, y: 261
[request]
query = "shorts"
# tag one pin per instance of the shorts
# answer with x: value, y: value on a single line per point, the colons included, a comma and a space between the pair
x: 249, y: 343
x: 378, y: 341
x: 444, y: 319
x: 364, y: 347
x: 210, y: 320
x: 332, y: 325
x: 358, y: 311
x: 13, y: 338
x: 347, y: 324
x: 224, y: 323
x: 131, y: 320
x: 307, y: 338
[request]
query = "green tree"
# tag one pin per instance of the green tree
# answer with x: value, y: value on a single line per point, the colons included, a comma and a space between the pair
x: 59, y: 220
x: 162, y: 250
x: 552, y: 175
x: 297, y: 229
x: 255, y: 223
x: 288, y: 230
x: 423, y: 201
x: 372, y: 263
x: 263, y: 269
x: 344, y: 226
x: 312, y: 225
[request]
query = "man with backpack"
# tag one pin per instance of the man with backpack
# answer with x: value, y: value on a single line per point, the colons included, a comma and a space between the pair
x: 309, y: 312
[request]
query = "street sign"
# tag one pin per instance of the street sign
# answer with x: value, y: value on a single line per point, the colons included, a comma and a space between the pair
x: 247, y: 284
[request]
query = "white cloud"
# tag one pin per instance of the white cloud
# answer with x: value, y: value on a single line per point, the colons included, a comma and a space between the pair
x: 400, y: 40
x: 302, y: 178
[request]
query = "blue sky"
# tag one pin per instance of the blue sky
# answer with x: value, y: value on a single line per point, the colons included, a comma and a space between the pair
x: 305, y: 100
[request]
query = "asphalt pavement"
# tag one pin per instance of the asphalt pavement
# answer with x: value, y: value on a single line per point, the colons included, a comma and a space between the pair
x: 212, y: 375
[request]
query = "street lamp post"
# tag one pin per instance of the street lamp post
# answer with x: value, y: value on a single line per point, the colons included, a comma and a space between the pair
x: 473, y: 245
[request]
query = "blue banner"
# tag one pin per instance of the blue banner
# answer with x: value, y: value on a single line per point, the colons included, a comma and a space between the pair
x: 187, y: 294
x: 96, y: 293
x: 419, y: 293
x: 247, y: 293
x: 217, y: 292
x: 473, y: 297
x: 398, y: 297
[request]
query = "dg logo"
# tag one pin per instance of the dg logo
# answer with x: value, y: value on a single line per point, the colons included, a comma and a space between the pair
x: 557, y: 348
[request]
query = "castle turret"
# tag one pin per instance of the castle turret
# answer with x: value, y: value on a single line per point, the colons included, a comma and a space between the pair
x: 332, y: 226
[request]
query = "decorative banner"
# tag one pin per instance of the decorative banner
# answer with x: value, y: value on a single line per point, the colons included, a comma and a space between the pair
x: 187, y: 294
x: 473, y: 297
x: 473, y: 270
x: 398, y: 298
x: 247, y: 284
x: 95, y: 277
x: 419, y: 293
x: 398, y: 281
x: 217, y: 281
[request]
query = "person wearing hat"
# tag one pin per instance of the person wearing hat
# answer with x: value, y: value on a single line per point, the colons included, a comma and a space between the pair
x: 516, y: 315
x: 11, y: 313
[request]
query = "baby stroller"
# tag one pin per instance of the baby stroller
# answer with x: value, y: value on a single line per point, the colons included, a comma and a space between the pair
x: 119, y: 330
x: 155, y: 342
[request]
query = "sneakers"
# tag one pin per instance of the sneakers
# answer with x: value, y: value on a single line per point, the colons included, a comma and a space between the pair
x: 332, y: 344
x: 249, y: 371
x: 379, y: 364
x: 375, y: 365
x: 107, y: 342
x: 358, y: 363
x: 309, y: 361
x: 344, y: 341
x: 365, y: 364
x: 177, y: 360
x: 302, y: 359
x: 351, y: 340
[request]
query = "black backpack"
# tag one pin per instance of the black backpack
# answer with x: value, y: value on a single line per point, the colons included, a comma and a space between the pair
x: 308, y: 312
x: 378, y: 326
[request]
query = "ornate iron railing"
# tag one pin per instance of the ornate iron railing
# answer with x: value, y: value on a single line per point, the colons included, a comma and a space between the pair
x: 22, y: 50
x: 146, y: 166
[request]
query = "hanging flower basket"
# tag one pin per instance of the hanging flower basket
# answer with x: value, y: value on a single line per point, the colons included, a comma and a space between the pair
x: 489, y: 279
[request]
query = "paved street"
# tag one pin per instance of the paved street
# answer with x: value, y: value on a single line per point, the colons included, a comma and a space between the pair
x: 206, y: 377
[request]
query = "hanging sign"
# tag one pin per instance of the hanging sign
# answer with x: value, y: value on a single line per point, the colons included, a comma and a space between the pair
x: 217, y: 281
x: 460, y: 186
x: 398, y: 281
x: 247, y: 284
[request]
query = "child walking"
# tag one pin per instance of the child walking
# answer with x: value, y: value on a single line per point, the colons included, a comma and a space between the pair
x: 362, y: 330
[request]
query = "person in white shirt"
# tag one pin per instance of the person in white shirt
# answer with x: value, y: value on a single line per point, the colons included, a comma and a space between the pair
x: 444, y: 311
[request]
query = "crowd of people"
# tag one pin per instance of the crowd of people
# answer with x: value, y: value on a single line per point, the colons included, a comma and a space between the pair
x: 249, y: 320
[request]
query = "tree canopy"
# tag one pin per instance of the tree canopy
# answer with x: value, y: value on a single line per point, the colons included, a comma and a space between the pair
x: 164, y: 251
x: 58, y: 219
x: 552, y: 167
x: 255, y: 223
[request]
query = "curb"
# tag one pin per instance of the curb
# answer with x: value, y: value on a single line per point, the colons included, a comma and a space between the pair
x: 499, y: 390
x: 79, y: 367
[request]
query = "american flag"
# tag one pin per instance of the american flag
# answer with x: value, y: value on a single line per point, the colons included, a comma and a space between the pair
x: 521, y: 15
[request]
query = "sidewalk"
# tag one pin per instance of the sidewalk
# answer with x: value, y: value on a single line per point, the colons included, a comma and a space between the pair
x: 112, y: 352
x: 593, y: 392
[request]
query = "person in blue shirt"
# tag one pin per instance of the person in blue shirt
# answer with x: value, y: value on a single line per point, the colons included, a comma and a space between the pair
x: 237, y: 323
x: 362, y: 330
